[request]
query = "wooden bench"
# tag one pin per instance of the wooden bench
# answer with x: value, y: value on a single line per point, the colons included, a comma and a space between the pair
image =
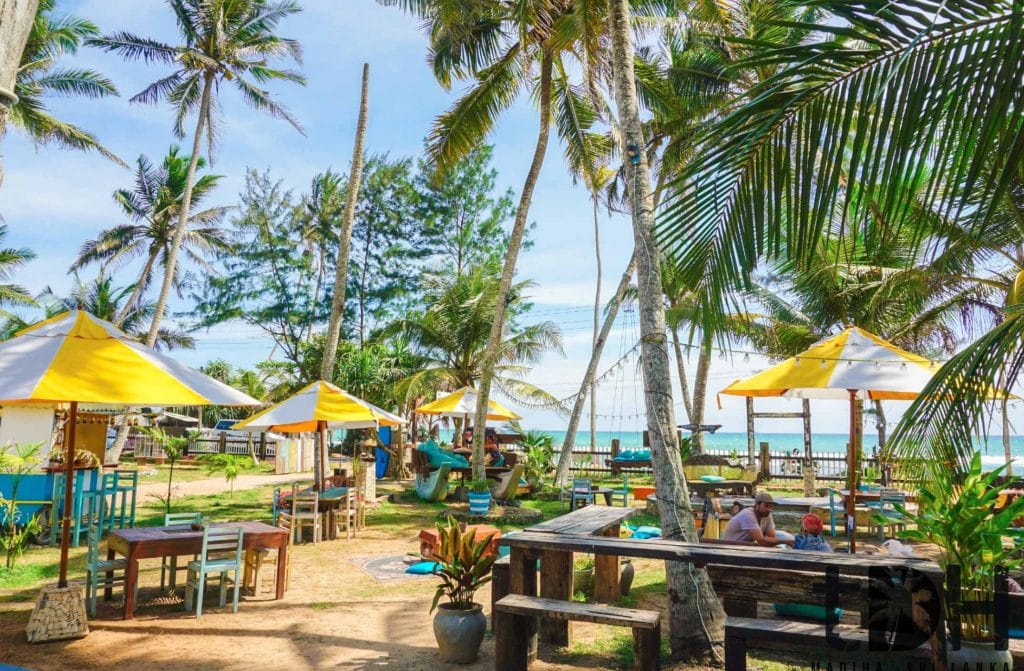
x: 517, y: 615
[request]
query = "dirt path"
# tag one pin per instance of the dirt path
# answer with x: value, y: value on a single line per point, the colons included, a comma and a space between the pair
x: 215, y: 485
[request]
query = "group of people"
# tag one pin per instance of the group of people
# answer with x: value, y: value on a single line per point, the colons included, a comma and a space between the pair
x: 755, y: 525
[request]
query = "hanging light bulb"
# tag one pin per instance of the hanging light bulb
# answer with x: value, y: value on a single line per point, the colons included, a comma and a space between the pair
x: 746, y: 357
x: 722, y: 355
x: 823, y: 364
x: 849, y: 364
x: 903, y: 367
x: 796, y: 361
x: 877, y: 365
x: 931, y: 365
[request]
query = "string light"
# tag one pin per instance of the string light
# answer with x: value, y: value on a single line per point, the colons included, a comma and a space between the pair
x: 796, y: 361
x: 746, y: 357
x: 903, y: 367
x: 823, y: 363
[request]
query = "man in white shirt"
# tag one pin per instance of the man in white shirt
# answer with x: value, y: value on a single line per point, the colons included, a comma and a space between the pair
x: 755, y: 524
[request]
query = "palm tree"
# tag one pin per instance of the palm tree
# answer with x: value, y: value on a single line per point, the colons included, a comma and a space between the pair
x: 229, y: 42
x: 451, y: 335
x: 12, y: 295
x: 500, y: 46
x: 51, y: 37
x: 153, y: 206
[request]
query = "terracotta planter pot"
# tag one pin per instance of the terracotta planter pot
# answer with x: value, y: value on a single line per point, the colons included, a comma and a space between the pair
x: 641, y: 493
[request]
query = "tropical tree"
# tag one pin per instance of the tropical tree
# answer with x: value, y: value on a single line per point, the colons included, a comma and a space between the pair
x: 224, y: 42
x: 153, y: 206
x: 451, y: 335
x: 11, y: 259
x: 50, y: 37
x: 16, y: 19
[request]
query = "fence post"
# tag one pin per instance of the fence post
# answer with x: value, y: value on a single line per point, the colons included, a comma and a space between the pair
x: 615, y: 448
x: 750, y: 431
x: 223, y: 442
x: 766, y: 462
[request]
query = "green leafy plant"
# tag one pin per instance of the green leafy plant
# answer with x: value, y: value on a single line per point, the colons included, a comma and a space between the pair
x: 961, y: 519
x: 479, y: 486
x: 686, y: 448
x: 173, y: 447
x: 540, y: 452
x: 232, y: 465
x: 464, y: 565
x: 872, y: 474
x: 17, y: 462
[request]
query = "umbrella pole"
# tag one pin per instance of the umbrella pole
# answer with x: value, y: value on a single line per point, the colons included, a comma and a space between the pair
x: 321, y: 433
x: 69, y: 472
x: 852, y: 457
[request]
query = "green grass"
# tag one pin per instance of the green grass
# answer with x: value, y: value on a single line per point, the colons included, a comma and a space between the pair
x: 245, y: 504
x: 187, y: 472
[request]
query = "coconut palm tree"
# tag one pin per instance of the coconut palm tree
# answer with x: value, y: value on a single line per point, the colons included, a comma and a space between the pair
x: 224, y: 42
x: 50, y: 37
x: 153, y: 205
x: 12, y: 295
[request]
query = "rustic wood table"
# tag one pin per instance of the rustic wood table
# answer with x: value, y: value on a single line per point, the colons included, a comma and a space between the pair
x: 328, y: 503
x: 153, y: 542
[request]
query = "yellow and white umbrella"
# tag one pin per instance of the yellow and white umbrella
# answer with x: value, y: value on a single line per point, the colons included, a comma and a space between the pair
x: 463, y: 402
x: 319, y: 402
x: 853, y: 365
x: 76, y: 357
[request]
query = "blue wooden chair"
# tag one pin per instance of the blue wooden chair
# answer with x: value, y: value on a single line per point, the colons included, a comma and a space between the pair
x: 79, y: 508
x: 835, y: 511
x: 127, y: 491
x: 582, y: 492
x: 101, y: 573
x: 169, y: 565
x: 622, y: 493
x: 106, y: 490
x: 221, y: 554
x: 886, y: 508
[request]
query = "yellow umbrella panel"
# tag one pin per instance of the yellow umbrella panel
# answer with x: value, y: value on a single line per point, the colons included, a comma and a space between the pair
x: 319, y: 402
x: 463, y: 402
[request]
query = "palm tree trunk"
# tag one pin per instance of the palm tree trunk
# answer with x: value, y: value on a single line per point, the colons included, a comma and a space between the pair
x: 684, y: 384
x: 345, y: 237
x: 16, y: 18
x: 565, y: 456
x: 137, y: 289
x: 696, y: 618
x: 186, y: 204
x: 597, y: 317
x: 700, y: 391
x: 511, y: 256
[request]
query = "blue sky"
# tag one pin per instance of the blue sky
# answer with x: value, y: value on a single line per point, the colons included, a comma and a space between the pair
x: 52, y: 200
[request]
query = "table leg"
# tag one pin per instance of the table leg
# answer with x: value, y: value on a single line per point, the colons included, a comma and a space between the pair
x: 556, y: 583
x: 607, y: 498
x: 108, y: 591
x: 332, y: 523
x: 131, y: 578
x: 282, y: 566
x: 523, y: 581
x: 606, y: 573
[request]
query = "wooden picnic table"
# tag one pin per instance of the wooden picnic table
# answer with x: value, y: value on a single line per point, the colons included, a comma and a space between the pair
x: 328, y: 502
x: 153, y: 542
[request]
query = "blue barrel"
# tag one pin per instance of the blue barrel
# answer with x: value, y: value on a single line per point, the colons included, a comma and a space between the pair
x: 479, y: 503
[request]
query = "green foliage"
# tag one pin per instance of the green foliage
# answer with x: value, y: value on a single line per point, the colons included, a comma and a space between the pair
x: 540, y: 451
x: 12, y: 294
x: 480, y: 486
x: 16, y: 462
x: 232, y: 465
x: 959, y: 517
x: 173, y: 447
x: 248, y: 381
x: 686, y: 448
x: 464, y: 566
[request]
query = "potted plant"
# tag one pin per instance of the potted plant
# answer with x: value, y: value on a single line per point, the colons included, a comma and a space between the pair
x: 479, y: 497
x: 537, y: 459
x: 464, y: 566
x: 958, y: 515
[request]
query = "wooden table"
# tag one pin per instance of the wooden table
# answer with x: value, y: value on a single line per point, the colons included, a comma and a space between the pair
x: 328, y: 502
x: 153, y: 542
x: 556, y: 565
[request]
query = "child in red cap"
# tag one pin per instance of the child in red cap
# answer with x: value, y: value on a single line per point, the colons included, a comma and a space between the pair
x: 809, y: 537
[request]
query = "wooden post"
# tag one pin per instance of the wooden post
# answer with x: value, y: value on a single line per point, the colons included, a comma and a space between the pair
x: 606, y: 573
x: 647, y: 439
x: 807, y: 431
x: 521, y: 640
x: 223, y: 444
x: 500, y: 585
x: 615, y: 448
x: 750, y: 430
x: 647, y: 648
x: 556, y: 583
x: 766, y: 462
x: 853, y: 459
x: 263, y: 446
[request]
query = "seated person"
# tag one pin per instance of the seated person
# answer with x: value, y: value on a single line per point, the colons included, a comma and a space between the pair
x: 492, y: 457
x: 809, y: 537
x: 755, y: 524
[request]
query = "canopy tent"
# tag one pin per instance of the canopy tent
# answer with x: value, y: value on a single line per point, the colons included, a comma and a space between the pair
x: 854, y: 365
x: 317, y: 407
x: 463, y: 402
x: 75, y: 358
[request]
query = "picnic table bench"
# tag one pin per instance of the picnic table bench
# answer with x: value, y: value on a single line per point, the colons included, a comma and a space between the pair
x: 748, y: 563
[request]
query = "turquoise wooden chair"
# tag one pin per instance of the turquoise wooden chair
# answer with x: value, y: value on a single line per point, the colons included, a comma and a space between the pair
x: 169, y: 565
x: 101, y: 573
x: 836, y: 511
x: 127, y: 491
x: 221, y: 554
x: 582, y: 492
x: 623, y: 493
x: 106, y: 489
x: 79, y: 509
x: 886, y: 508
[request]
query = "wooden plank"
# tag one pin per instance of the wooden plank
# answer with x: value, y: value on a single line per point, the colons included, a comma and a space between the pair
x: 606, y: 573
x: 584, y: 612
x: 746, y: 557
x: 556, y: 584
x: 585, y: 521
x: 501, y: 580
x: 775, y: 586
x: 647, y: 648
x: 777, y: 415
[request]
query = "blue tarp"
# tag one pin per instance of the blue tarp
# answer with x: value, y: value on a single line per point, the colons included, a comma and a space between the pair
x: 382, y: 455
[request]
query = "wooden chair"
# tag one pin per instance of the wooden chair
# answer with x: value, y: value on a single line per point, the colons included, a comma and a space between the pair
x: 582, y: 492
x: 508, y: 484
x: 101, y: 573
x: 169, y: 565
x: 258, y: 559
x: 623, y: 493
x: 886, y: 507
x: 221, y: 554
x: 346, y: 518
x: 127, y: 491
x: 306, y: 512
x: 359, y: 501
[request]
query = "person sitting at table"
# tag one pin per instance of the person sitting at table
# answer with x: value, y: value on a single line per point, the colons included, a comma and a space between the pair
x: 809, y: 537
x: 492, y: 457
x: 755, y: 524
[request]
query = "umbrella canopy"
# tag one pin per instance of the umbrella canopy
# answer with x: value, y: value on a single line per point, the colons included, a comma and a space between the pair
x: 319, y: 402
x: 463, y: 402
x: 76, y: 357
x: 853, y: 360
x: 855, y: 365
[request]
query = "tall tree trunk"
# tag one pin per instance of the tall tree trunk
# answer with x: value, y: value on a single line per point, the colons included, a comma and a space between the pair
x: 684, y: 384
x: 345, y: 237
x: 565, y: 456
x: 700, y: 391
x: 515, y: 241
x: 1006, y: 437
x: 16, y: 19
x: 597, y: 318
x: 137, y: 289
x: 696, y: 618
x: 186, y: 203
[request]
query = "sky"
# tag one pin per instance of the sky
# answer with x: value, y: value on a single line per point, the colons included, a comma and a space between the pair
x: 52, y: 200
